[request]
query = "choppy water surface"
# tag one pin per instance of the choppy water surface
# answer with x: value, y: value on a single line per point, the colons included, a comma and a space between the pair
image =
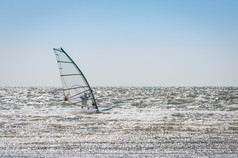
x: 156, y: 122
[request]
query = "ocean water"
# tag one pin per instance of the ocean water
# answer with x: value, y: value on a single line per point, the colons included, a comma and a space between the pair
x: 146, y: 122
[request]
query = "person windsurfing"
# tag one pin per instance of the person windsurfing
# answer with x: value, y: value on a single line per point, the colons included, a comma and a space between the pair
x: 84, y: 98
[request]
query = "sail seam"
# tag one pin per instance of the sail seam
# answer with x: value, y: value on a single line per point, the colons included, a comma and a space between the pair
x: 75, y: 88
x: 65, y: 62
x: 70, y: 75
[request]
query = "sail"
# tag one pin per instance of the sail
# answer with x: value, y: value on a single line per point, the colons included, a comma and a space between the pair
x: 76, y: 89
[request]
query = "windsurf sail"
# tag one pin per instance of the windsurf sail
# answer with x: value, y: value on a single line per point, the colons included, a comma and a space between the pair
x: 76, y: 88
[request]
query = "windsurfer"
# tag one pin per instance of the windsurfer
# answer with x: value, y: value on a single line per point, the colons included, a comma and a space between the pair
x: 84, y: 98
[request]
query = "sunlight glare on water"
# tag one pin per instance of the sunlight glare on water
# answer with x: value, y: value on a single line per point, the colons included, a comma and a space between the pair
x: 146, y: 121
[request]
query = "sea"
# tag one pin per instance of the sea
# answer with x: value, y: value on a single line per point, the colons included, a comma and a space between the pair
x: 145, y: 122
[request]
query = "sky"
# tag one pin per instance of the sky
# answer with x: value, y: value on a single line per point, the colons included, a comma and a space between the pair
x: 121, y: 42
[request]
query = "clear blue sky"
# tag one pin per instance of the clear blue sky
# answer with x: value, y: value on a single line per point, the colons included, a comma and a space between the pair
x: 121, y: 42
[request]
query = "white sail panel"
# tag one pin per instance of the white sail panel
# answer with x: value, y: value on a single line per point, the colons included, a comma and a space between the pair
x: 75, y: 86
